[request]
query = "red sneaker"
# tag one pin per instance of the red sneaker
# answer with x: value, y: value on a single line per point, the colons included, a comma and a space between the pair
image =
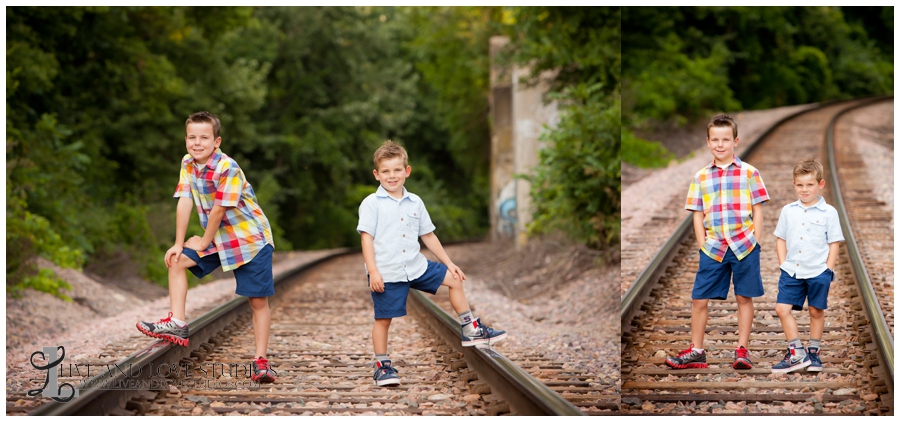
x: 261, y: 371
x: 688, y: 358
x: 742, y: 359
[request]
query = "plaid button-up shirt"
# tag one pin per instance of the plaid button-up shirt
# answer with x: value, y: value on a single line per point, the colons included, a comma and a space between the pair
x: 726, y: 196
x: 244, y: 229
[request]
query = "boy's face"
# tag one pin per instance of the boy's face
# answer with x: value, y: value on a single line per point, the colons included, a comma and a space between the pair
x: 721, y: 143
x: 392, y: 174
x: 807, y: 188
x: 200, y: 142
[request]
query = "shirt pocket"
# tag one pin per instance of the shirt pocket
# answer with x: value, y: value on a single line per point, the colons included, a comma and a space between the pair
x: 412, y: 221
x: 817, y: 227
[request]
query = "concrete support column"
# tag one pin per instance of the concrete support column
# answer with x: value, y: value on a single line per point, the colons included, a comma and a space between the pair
x: 518, y: 116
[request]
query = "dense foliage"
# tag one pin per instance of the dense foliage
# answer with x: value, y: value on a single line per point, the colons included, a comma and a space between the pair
x: 577, y: 184
x: 97, y: 98
x: 685, y: 63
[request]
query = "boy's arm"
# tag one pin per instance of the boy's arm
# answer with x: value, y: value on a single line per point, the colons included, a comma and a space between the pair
x: 433, y: 244
x: 833, y: 249
x: 182, y: 218
x: 376, y: 283
x: 212, y: 226
x: 781, y: 250
x: 757, y: 220
x: 699, y: 230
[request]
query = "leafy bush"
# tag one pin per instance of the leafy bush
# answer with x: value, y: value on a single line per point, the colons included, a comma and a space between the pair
x: 644, y: 153
x: 577, y: 184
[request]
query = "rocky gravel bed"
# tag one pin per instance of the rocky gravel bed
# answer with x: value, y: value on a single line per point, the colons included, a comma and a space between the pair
x: 98, y: 325
x: 573, y: 321
x: 576, y: 321
x: 653, y: 206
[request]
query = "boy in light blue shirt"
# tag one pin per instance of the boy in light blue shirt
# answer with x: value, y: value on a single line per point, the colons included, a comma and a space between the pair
x: 390, y: 222
x: 808, y: 232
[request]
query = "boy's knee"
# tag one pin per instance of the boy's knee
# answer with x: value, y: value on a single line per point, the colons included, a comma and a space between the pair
x: 782, y: 310
x: 700, y: 303
x: 816, y: 312
x: 258, y: 303
x: 451, y: 282
x: 383, y: 322
x: 743, y: 300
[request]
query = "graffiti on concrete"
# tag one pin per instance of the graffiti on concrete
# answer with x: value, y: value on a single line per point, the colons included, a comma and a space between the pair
x: 506, y: 224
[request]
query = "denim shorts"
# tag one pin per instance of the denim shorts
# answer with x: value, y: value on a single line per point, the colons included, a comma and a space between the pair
x: 795, y: 291
x: 714, y: 278
x: 254, y: 279
x: 391, y: 303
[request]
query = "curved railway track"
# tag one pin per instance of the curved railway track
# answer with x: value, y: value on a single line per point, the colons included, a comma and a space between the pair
x: 857, y: 356
x: 320, y: 347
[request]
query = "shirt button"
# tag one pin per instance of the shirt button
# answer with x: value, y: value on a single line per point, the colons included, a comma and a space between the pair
x: 401, y: 218
x: 404, y: 235
x: 404, y: 250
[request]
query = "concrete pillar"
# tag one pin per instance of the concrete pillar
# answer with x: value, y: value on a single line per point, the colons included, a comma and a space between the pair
x: 530, y: 115
x: 502, y: 183
x: 518, y: 116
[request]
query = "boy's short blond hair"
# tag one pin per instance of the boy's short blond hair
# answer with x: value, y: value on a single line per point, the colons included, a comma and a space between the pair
x: 390, y: 149
x: 205, y: 117
x: 722, y: 120
x: 809, y: 165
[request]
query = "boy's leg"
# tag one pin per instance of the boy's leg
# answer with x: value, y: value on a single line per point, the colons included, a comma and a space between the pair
x: 473, y: 331
x: 380, y: 335
x: 457, y: 294
x: 788, y: 323
x: 178, y: 286
x: 262, y: 320
x: 816, y: 323
x: 699, y: 317
x: 745, y: 319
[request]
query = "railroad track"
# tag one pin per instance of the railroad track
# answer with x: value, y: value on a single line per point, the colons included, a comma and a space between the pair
x: 657, y: 308
x: 320, y: 347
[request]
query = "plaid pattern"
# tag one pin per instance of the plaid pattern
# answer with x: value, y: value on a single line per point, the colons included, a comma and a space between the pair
x: 726, y: 197
x: 244, y: 230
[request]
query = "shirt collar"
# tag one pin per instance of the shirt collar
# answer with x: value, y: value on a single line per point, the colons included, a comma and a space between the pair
x: 213, y: 159
x: 384, y: 193
x: 736, y: 161
x: 820, y: 204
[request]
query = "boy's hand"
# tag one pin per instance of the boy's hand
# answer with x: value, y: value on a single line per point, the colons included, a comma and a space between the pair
x: 456, y: 272
x: 172, y: 255
x: 194, y: 243
x: 376, y: 283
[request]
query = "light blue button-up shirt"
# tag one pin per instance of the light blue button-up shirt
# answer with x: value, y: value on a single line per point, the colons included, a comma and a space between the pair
x: 808, y: 231
x: 396, y: 226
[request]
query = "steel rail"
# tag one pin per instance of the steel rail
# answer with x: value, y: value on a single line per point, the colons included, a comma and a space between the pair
x: 524, y: 394
x: 641, y: 287
x: 94, y: 401
x: 880, y: 327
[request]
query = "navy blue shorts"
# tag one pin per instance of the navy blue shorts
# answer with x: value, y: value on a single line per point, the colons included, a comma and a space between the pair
x: 713, y: 278
x: 391, y: 303
x: 795, y: 291
x: 254, y: 279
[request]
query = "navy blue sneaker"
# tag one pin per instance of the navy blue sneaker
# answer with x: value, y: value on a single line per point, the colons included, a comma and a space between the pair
x: 385, y: 374
x: 483, y: 335
x: 815, y: 363
x: 791, y: 362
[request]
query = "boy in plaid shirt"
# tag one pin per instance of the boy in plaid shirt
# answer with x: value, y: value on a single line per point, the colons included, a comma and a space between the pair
x: 237, y: 237
x: 726, y: 198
